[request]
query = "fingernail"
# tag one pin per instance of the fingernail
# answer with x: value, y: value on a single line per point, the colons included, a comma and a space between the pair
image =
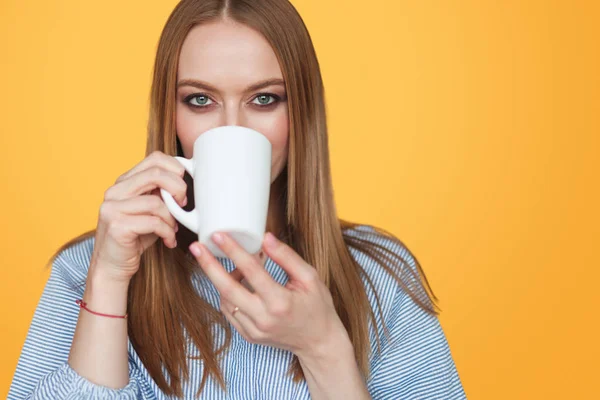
x: 184, y: 203
x: 195, y: 249
x: 218, y: 238
x: 176, y: 227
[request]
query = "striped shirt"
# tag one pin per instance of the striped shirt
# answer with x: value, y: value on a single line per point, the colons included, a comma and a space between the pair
x: 415, y: 363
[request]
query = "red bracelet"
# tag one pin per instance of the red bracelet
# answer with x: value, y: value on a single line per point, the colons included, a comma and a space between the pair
x: 83, y: 305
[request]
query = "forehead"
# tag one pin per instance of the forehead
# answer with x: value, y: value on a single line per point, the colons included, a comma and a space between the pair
x: 226, y: 54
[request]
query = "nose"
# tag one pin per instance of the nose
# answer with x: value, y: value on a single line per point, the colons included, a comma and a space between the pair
x: 233, y: 115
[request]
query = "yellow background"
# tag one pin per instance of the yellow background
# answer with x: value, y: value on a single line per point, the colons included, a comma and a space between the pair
x: 468, y: 128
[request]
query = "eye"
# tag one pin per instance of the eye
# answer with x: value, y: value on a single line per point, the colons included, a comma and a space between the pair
x: 200, y: 100
x: 201, y: 103
x: 263, y: 99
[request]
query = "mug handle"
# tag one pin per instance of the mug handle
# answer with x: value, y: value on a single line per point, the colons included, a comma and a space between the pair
x: 188, y: 218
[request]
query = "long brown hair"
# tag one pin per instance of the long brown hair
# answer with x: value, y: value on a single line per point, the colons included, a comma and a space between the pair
x: 163, y: 305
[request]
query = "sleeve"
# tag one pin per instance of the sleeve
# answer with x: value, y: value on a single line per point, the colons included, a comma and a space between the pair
x: 42, y: 370
x: 416, y: 362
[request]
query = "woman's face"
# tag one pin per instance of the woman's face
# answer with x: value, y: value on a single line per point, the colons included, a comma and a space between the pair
x: 220, y: 66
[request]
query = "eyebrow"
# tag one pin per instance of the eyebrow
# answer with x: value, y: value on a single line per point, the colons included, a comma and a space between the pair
x: 203, y: 85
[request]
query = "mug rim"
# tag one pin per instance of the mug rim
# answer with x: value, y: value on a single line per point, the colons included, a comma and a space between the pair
x: 230, y: 129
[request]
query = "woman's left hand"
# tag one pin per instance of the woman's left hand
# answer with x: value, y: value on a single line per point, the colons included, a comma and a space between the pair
x: 299, y: 317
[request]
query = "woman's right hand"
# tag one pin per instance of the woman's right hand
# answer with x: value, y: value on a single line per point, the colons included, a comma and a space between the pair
x: 133, y: 216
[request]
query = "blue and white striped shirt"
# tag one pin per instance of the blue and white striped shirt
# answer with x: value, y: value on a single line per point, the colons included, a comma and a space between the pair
x: 415, y: 364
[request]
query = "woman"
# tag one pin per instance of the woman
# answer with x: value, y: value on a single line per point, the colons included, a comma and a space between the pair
x: 339, y: 311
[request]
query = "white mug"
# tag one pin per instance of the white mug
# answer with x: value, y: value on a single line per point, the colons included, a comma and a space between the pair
x: 231, y: 168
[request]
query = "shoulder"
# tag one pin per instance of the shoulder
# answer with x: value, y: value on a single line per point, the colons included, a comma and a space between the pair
x: 381, y: 238
x: 396, y: 257
x: 72, y: 262
x: 405, y: 307
x: 400, y: 258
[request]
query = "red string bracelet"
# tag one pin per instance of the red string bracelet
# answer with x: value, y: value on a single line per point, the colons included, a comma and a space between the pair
x: 83, y: 305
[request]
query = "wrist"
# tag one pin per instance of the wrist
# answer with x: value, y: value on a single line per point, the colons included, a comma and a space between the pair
x: 103, y: 274
x: 334, y: 349
x: 331, y: 369
x: 108, y: 273
x: 105, y: 294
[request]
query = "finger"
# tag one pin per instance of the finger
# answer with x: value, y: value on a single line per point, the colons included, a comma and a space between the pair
x: 237, y: 275
x: 139, y: 205
x: 260, y: 259
x: 226, y: 309
x: 147, y: 180
x: 156, y: 158
x: 130, y: 227
x: 242, y: 322
x: 251, y: 268
x: 288, y: 259
x: 230, y: 289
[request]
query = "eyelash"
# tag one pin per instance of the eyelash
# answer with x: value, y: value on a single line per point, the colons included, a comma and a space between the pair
x: 276, y: 98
